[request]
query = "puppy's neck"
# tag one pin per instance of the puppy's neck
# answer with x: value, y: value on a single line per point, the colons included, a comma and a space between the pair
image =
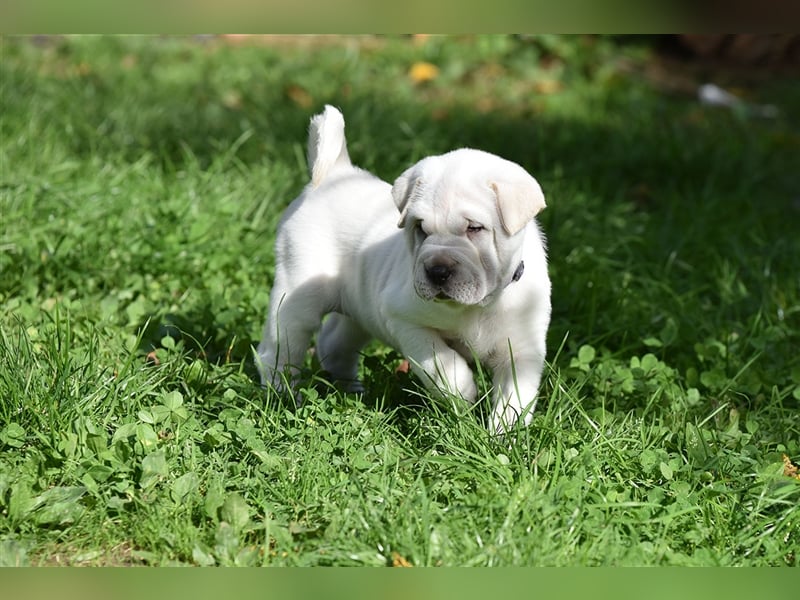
x: 490, y: 298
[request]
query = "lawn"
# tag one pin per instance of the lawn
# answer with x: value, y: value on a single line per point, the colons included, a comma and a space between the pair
x: 142, y: 180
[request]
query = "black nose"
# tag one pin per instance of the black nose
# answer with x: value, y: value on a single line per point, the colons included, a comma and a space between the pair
x: 438, y: 274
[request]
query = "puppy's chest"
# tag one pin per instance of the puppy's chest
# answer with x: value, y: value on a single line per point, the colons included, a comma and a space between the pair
x: 462, y: 348
x: 470, y: 342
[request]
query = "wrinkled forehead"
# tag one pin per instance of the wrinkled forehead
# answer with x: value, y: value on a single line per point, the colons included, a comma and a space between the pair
x: 455, y: 195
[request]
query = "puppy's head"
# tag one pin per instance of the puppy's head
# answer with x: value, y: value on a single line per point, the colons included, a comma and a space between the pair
x: 465, y: 214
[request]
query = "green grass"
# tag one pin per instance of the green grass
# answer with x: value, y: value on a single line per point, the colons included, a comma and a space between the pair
x: 142, y: 179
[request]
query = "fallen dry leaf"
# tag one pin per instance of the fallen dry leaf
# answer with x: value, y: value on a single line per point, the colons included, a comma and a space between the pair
x: 548, y: 86
x: 422, y: 72
x: 399, y: 561
x: 485, y: 105
x: 83, y: 69
x: 299, y: 96
x: 789, y: 469
x: 129, y: 61
x: 232, y: 99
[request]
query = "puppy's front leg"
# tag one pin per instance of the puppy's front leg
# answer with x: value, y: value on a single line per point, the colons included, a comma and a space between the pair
x: 516, y: 384
x: 442, y: 369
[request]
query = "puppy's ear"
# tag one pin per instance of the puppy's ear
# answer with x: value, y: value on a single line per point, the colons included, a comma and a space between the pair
x: 519, y: 200
x: 402, y: 191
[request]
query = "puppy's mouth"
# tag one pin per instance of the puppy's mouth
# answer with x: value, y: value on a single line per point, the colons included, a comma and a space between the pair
x: 441, y: 297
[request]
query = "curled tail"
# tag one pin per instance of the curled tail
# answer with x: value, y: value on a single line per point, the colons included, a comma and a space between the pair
x: 327, y: 146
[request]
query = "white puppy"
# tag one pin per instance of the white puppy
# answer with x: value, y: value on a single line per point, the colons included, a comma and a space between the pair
x: 465, y: 279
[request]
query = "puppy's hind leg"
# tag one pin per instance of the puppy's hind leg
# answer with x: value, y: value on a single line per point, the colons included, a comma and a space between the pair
x: 293, y: 318
x: 338, y: 345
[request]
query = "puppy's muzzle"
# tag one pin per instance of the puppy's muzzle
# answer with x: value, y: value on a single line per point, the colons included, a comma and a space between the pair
x: 439, y: 273
x: 448, y: 274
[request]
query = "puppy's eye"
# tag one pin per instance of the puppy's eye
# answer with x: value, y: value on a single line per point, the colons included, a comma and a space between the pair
x: 474, y: 228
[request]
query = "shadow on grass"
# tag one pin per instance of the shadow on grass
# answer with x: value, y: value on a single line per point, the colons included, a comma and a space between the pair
x: 200, y: 334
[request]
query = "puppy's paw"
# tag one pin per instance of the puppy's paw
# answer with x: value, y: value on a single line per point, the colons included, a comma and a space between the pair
x: 502, y: 421
x: 445, y: 373
x: 461, y: 385
x: 506, y: 416
x: 468, y: 390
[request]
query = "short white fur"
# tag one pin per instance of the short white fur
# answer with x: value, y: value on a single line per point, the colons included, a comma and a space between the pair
x: 442, y: 289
